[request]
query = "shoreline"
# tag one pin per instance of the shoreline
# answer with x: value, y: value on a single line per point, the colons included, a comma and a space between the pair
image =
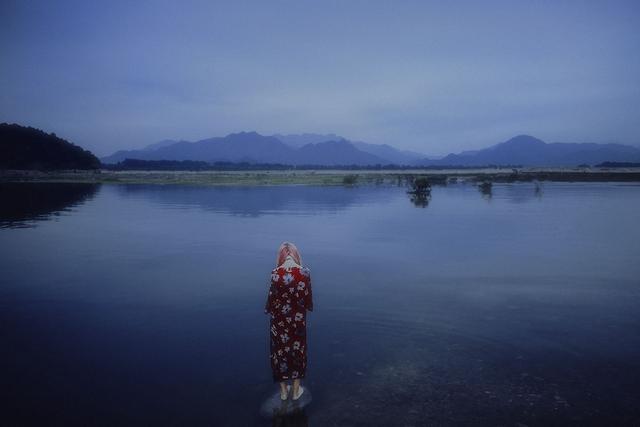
x: 324, y: 177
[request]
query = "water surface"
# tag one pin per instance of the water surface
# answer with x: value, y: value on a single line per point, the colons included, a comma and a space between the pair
x: 136, y: 304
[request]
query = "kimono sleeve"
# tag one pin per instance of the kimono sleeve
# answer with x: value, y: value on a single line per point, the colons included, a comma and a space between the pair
x: 271, y: 296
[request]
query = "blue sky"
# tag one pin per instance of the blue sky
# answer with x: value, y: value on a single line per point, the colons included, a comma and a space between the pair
x: 425, y: 76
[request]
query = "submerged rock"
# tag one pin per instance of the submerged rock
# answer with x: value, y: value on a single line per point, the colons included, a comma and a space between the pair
x: 274, y: 407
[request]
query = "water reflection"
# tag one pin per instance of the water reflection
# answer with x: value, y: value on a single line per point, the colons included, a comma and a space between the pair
x: 296, y: 419
x: 521, y: 192
x: 507, y: 312
x: 23, y: 204
x: 420, y: 191
x: 538, y: 189
x: 288, y: 412
x: 257, y: 201
x: 486, y: 189
x: 420, y: 199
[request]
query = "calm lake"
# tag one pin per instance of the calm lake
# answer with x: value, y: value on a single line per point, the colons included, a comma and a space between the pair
x: 143, y: 305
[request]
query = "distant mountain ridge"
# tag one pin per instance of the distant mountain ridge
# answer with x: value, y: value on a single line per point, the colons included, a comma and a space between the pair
x: 526, y: 150
x: 235, y: 147
x: 340, y: 152
x: 160, y: 144
x: 334, y: 150
x: 299, y: 140
x: 386, y: 152
x: 393, y: 155
x: 254, y: 148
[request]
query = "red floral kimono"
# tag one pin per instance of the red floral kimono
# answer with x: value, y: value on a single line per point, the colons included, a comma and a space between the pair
x: 288, y: 301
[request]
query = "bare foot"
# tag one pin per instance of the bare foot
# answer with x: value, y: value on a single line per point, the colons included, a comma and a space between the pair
x: 284, y: 395
x: 300, y: 391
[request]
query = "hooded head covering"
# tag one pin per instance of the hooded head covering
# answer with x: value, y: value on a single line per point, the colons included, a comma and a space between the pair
x: 288, y: 249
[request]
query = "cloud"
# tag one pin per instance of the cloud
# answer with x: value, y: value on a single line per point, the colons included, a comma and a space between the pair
x: 430, y: 77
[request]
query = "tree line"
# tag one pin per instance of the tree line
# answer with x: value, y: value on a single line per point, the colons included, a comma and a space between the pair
x: 29, y: 148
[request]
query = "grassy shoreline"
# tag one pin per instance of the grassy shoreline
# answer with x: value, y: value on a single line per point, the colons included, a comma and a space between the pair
x: 324, y: 177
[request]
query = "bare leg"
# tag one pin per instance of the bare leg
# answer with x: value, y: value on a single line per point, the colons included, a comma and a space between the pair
x: 283, y: 390
x: 296, y: 388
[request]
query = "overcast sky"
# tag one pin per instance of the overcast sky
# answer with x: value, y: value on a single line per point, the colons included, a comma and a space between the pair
x: 421, y: 75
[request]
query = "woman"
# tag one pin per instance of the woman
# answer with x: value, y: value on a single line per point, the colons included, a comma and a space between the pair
x: 288, y: 301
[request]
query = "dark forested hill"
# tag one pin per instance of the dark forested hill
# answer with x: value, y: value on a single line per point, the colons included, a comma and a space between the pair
x: 29, y: 148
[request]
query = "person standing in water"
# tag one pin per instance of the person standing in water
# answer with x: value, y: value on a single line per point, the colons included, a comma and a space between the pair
x: 288, y: 301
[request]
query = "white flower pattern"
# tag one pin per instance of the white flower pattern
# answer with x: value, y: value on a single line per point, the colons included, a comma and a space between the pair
x: 288, y: 299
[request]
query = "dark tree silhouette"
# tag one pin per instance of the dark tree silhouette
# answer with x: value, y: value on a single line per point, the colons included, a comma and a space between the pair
x: 350, y: 179
x: 29, y: 148
x: 618, y: 165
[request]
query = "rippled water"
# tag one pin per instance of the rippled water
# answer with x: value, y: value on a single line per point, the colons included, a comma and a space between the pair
x: 140, y: 304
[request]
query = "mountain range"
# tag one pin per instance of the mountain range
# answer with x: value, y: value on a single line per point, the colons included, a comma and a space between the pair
x: 252, y: 147
x: 333, y: 150
x: 526, y: 150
